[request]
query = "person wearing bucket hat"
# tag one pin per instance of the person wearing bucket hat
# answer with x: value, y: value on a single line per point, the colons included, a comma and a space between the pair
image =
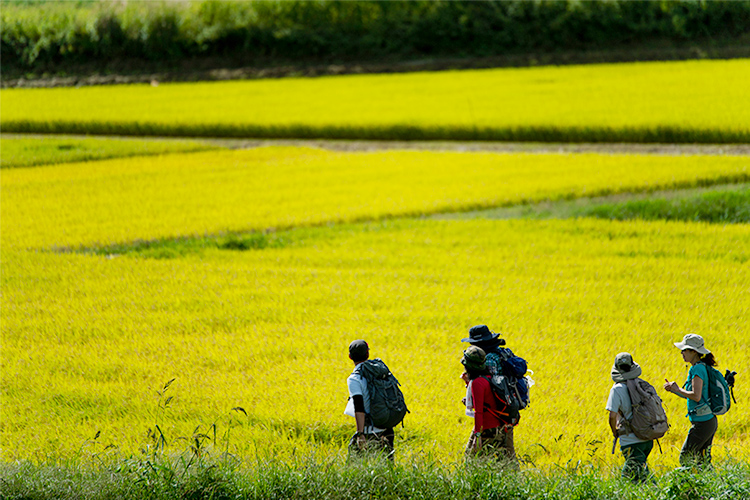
x: 500, y: 360
x: 489, y: 342
x: 489, y: 436
x: 635, y: 450
x: 496, y: 355
x: 703, y: 423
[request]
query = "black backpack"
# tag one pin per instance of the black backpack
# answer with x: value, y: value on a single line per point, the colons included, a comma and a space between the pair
x: 506, y: 399
x: 387, y: 405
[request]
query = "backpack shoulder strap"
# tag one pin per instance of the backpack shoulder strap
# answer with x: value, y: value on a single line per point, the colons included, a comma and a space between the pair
x: 633, y: 391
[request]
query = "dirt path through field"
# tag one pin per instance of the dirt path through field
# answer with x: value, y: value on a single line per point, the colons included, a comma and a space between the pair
x: 500, y: 147
x: 465, y: 146
x: 564, y: 209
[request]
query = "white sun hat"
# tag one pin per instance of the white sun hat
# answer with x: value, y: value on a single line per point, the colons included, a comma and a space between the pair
x: 694, y: 342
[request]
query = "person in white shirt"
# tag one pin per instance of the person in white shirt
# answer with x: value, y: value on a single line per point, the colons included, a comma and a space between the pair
x: 634, y: 450
x: 368, y: 438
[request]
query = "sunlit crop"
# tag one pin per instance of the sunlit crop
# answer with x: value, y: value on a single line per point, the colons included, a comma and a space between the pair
x: 181, y: 195
x: 692, y: 101
x: 88, y: 340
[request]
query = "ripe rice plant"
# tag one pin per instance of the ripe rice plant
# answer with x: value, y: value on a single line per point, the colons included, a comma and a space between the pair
x: 691, y: 101
x: 97, y: 204
x: 89, y: 340
x: 29, y: 151
x: 254, y: 331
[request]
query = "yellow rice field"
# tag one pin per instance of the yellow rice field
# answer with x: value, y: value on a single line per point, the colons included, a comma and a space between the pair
x: 88, y: 340
x: 147, y: 198
x: 688, y: 101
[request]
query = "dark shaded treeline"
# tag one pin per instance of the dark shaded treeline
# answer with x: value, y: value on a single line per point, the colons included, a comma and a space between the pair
x: 107, y: 36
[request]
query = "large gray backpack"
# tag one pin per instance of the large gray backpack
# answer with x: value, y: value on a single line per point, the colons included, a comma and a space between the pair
x: 649, y: 419
x: 387, y: 405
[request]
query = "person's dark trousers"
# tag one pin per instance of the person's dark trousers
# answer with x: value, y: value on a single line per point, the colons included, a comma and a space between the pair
x: 381, y: 443
x: 697, y: 448
x: 636, y: 461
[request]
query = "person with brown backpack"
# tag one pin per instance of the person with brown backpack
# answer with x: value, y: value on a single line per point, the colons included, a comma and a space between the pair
x: 636, y: 416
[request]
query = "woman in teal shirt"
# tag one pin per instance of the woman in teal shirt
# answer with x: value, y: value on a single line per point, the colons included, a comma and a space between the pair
x: 697, y: 447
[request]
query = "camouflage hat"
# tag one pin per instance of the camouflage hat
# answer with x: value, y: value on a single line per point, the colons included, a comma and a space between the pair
x: 474, y: 359
x: 625, y: 368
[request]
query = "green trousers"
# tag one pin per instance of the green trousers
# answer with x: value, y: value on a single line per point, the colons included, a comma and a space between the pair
x: 636, y: 457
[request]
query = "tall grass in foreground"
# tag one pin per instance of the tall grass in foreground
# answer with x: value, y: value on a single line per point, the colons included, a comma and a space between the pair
x: 158, y: 478
x: 693, y: 101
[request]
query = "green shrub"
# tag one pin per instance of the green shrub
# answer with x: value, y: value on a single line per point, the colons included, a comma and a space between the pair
x: 53, y: 34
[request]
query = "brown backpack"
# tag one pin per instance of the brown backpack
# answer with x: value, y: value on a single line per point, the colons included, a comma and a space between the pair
x: 649, y: 420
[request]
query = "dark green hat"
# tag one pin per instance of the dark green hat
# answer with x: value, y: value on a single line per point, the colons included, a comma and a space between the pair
x: 474, y: 359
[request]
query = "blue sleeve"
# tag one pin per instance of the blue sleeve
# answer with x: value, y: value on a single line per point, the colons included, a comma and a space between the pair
x: 699, y: 371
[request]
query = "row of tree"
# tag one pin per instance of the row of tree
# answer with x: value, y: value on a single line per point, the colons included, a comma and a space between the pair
x: 38, y: 35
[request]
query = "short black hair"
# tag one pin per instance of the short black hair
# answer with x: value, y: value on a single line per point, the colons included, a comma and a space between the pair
x: 359, y: 351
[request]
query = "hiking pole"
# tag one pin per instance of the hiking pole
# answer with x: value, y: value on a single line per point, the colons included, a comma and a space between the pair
x: 614, y: 444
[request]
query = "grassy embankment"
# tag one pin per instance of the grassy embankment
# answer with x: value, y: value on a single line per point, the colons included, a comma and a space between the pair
x: 152, y: 479
x: 728, y: 203
x: 695, y: 101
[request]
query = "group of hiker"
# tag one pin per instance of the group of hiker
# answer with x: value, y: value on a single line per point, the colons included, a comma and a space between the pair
x: 497, y: 387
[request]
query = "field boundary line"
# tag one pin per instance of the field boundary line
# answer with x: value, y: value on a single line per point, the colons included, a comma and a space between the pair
x: 547, y: 134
